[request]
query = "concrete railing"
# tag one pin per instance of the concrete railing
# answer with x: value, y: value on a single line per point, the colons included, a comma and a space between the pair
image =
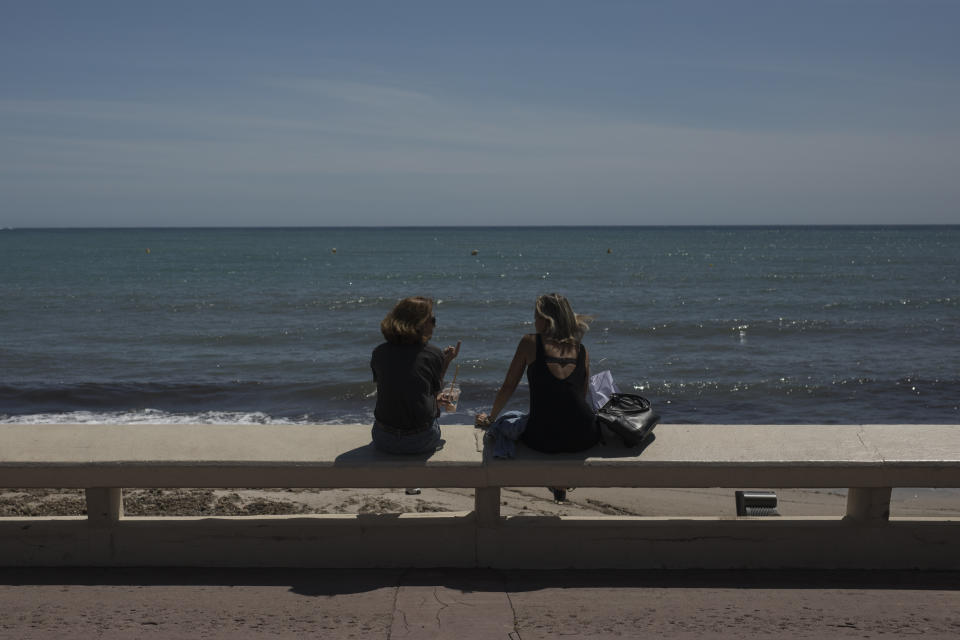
x: 869, y: 460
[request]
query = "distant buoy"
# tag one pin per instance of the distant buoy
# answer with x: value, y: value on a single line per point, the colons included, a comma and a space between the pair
x: 609, y: 250
x: 334, y: 250
x: 474, y: 252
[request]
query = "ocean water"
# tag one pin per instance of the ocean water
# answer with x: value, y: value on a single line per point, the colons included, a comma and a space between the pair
x: 777, y: 325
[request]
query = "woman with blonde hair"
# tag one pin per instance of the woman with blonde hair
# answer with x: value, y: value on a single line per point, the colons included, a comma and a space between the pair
x: 409, y: 376
x: 558, y: 371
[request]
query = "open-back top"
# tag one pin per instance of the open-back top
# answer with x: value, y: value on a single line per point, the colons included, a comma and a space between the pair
x: 560, y: 420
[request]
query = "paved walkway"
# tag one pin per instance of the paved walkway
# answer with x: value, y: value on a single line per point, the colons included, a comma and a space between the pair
x: 517, y: 605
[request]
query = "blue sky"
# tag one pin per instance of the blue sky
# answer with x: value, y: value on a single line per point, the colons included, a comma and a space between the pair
x: 240, y: 113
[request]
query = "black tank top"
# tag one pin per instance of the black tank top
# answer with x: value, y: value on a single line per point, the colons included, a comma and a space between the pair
x: 560, y: 418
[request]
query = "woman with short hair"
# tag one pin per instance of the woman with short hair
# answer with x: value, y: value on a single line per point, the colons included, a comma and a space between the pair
x: 409, y: 375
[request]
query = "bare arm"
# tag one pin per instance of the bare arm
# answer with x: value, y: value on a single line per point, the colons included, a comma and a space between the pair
x: 525, y: 354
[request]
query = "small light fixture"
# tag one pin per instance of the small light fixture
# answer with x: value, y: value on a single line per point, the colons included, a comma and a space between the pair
x: 756, y: 503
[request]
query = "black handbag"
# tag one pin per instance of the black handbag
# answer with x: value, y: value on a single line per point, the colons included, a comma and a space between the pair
x: 629, y: 416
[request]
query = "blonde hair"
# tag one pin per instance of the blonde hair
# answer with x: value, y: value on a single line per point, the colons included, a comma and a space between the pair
x: 563, y: 325
x: 404, y: 323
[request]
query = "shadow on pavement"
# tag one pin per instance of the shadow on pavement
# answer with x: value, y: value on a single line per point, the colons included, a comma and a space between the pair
x: 331, y: 582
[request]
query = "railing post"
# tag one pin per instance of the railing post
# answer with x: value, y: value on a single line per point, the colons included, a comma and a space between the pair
x: 104, y: 506
x: 868, y: 504
x: 487, y: 506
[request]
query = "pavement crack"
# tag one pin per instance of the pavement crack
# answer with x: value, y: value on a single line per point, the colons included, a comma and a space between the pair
x: 396, y: 599
x: 443, y: 605
x: 515, y: 634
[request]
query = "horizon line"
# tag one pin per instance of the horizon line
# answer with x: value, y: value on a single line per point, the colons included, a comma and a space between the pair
x: 475, y: 226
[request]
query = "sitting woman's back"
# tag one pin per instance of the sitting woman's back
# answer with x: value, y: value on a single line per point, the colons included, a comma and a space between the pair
x: 560, y: 419
x: 558, y: 370
x: 409, y: 375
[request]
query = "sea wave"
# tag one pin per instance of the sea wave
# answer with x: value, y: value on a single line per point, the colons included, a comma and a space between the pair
x: 853, y: 400
x: 147, y: 416
x: 278, y: 400
x: 724, y: 400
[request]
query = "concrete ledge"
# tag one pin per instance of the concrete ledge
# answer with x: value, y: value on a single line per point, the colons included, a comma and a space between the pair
x: 809, y: 456
x: 329, y: 456
x: 196, y: 455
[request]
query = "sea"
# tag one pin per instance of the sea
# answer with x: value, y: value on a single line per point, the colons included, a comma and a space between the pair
x: 714, y: 325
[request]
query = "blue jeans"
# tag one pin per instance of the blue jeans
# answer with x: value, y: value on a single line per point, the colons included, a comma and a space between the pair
x: 506, y: 431
x: 419, y: 442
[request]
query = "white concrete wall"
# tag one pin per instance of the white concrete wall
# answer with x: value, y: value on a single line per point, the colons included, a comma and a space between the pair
x: 454, y: 540
x: 869, y: 459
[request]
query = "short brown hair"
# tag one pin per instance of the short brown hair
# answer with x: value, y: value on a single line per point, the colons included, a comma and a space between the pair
x: 404, y: 322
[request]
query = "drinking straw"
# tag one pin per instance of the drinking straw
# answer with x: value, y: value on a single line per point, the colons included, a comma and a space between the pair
x: 455, y: 372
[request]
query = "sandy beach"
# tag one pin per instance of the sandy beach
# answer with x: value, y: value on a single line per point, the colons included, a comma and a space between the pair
x: 583, y: 501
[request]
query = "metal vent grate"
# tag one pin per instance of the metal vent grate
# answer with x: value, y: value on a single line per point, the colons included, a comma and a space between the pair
x: 756, y: 503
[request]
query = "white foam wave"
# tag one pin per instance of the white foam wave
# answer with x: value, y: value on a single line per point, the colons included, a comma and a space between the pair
x: 149, y: 416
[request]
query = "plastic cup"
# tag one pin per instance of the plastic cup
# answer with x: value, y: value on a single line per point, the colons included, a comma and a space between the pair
x: 450, y: 396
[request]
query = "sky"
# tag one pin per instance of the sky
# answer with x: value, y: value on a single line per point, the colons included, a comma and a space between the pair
x: 289, y: 113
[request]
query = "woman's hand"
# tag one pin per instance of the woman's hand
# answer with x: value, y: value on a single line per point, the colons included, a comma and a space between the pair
x: 482, y: 420
x: 443, y: 401
x: 449, y: 353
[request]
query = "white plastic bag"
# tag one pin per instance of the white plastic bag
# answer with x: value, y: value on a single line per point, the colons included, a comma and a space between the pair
x: 602, y: 387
